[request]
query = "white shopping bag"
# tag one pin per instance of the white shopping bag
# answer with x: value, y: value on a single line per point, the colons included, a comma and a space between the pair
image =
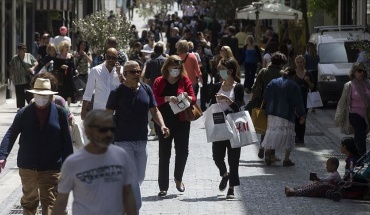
x: 217, y: 127
x: 79, y: 138
x: 243, y: 129
x: 314, y: 100
x: 182, y: 105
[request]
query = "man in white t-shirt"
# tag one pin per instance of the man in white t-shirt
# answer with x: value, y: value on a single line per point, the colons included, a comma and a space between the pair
x: 100, y: 175
x: 62, y: 37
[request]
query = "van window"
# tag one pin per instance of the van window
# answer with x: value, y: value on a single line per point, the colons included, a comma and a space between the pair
x: 340, y: 52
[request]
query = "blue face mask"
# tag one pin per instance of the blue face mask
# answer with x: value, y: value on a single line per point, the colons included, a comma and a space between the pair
x: 223, y: 74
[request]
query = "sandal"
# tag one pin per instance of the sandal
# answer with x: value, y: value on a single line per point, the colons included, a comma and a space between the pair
x: 288, y: 163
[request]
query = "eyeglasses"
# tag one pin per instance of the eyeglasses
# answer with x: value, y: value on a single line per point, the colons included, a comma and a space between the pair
x: 109, y: 57
x: 103, y: 129
x: 178, y: 62
x: 23, y: 49
x: 135, y: 71
x: 361, y: 71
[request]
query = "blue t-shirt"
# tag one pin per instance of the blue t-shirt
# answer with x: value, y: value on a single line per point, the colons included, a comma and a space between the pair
x: 131, y: 112
x: 250, y: 56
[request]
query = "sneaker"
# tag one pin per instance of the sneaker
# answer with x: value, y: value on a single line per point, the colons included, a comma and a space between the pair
x: 223, y: 183
x: 230, y: 194
x: 152, y: 132
x: 162, y: 193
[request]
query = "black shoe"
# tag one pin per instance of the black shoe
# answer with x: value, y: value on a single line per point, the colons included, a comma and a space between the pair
x: 230, y: 194
x: 288, y: 163
x: 162, y: 193
x: 180, y: 188
x: 261, y: 152
x: 223, y: 183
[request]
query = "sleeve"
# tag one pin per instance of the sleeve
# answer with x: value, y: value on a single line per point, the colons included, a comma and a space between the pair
x: 61, y: 102
x: 152, y: 102
x: 65, y: 184
x: 239, y: 97
x: 196, y: 67
x: 11, y: 135
x: 32, y: 59
x: 189, y: 90
x: 342, y: 106
x: 157, y: 94
x: 112, y: 102
x: 12, y: 62
x: 147, y: 70
x: 298, y: 101
x: 67, y: 144
x: 90, y: 86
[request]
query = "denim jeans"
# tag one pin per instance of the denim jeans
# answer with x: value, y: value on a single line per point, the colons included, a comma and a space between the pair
x: 35, y: 182
x: 138, y: 154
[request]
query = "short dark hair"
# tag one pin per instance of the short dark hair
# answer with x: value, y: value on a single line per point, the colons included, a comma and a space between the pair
x: 349, y: 143
x: 158, y: 48
x: 21, y: 45
x: 278, y: 58
x: 334, y: 161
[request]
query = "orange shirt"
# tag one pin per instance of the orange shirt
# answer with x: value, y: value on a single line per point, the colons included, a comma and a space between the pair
x: 191, y: 67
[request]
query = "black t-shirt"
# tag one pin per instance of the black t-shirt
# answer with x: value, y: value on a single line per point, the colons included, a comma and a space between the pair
x: 153, y: 68
x: 172, y: 41
x: 165, y: 109
x: 42, y: 51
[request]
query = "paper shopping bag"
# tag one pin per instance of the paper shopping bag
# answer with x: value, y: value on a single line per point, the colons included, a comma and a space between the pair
x: 243, y: 129
x: 79, y: 138
x: 314, y: 100
x: 259, y: 119
x: 217, y: 127
x: 181, y: 106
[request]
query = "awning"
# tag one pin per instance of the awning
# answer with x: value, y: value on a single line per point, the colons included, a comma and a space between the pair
x: 60, y: 5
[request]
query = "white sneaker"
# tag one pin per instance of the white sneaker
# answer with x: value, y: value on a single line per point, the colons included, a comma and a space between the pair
x: 152, y: 132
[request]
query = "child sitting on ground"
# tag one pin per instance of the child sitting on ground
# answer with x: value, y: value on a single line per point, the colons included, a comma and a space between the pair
x: 319, y: 186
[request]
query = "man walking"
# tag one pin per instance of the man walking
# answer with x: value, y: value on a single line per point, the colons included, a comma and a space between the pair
x: 102, y: 79
x: 44, y: 143
x: 62, y: 37
x: 131, y: 102
x: 100, y: 175
x: 112, y: 43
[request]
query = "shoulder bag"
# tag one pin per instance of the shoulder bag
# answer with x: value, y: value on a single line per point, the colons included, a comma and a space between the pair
x: 259, y: 119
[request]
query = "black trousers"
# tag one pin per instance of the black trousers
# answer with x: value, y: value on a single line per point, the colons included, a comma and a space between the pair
x: 359, y: 124
x: 180, y: 134
x: 233, y: 156
x: 22, y: 95
x: 300, y: 129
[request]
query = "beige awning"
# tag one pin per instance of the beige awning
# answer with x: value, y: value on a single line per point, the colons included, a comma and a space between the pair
x: 59, y: 5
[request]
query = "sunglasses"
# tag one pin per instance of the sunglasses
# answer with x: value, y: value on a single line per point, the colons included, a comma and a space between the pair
x: 109, y: 57
x: 135, y: 71
x: 361, y: 71
x: 178, y: 62
x: 103, y: 129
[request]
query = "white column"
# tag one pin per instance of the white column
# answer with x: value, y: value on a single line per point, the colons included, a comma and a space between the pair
x: 14, y: 29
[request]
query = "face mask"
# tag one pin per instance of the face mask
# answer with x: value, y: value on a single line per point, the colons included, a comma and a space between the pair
x: 223, y: 74
x: 41, y: 100
x: 174, y: 73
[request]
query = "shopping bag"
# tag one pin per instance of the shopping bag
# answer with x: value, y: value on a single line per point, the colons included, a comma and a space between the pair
x: 182, y: 105
x: 244, y: 132
x: 314, y: 100
x: 217, y: 127
x: 259, y: 119
x: 78, y: 136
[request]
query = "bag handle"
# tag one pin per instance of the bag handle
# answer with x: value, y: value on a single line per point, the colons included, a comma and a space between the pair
x: 263, y: 102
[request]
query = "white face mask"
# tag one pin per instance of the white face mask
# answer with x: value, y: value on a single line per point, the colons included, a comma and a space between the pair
x: 223, y: 74
x: 41, y: 100
x: 174, y: 73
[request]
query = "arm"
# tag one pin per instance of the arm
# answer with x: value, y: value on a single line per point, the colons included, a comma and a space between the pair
x: 309, y: 80
x: 128, y: 200
x: 342, y: 106
x: 88, y: 57
x: 146, y: 74
x: 90, y: 87
x: 188, y: 89
x: 157, y: 117
x: 198, y: 73
x: 60, y: 204
x: 67, y: 148
x: 156, y: 91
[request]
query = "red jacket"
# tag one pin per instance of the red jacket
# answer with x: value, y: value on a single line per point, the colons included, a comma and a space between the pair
x: 184, y: 86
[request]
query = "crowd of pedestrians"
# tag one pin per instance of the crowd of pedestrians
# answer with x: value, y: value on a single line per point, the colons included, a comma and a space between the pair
x: 126, y: 92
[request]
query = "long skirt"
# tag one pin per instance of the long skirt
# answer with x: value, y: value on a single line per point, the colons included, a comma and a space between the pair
x: 280, y: 133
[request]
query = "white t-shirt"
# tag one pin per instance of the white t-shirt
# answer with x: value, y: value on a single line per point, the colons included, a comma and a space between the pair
x: 230, y: 94
x: 96, y: 180
x: 59, y: 39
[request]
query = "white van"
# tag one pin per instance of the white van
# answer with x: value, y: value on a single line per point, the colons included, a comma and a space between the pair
x: 334, y: 47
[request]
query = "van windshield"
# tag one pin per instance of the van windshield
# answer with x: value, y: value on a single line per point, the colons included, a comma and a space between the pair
x: 340, y: 52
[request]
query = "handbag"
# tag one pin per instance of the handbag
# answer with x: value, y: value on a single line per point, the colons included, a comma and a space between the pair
x: 217, y: 127
x: 79, y: 85
x: 314, y: 100
x: 259, y: 119
x: 29, y: 75
x: 193, y: 112
x: 244, y: 132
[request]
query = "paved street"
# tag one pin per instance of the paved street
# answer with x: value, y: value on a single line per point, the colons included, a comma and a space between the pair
x: 262, y: 187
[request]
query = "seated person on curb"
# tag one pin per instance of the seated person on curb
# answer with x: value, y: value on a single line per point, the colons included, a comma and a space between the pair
x: 319, y: 185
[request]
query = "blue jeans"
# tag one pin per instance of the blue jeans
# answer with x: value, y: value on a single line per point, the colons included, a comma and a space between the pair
x: 138, y: 154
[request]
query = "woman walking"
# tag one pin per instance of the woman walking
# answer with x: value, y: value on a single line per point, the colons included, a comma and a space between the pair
x: 251, y: 56
x: 229, y: 93
x: 305, y: 81
x: 166, y: 88
x: 351, y: 109
x: 283, y: 104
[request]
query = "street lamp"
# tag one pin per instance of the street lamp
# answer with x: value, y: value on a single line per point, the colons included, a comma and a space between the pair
x: 257, y: 6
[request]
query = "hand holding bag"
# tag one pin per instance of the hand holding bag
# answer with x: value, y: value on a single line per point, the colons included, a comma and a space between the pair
x: 259, y: 119
x: 244, y: 132
x: 217, y: 128
x: 181, y: 105
x: 79, y: 138
x: 314, y: 100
